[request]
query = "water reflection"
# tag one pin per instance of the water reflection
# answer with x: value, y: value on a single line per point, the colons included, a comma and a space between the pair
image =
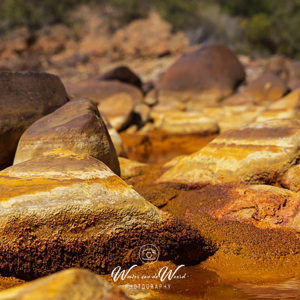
x: 207, y: 285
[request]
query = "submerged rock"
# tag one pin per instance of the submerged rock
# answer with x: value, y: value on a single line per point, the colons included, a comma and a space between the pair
x: 261, y: 205
x: 24, y: 98
x: 254, y: 229
x: 256, y: 154
x: 77, y: 126
x: 76, y: 284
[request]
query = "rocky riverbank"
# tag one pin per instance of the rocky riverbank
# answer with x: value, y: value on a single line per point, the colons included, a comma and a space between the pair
x: 193, y: 151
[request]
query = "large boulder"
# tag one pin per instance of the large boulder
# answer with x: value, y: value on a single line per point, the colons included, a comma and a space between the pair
x: 202, y: 77
x: 63, y: 210
x: 24, y: 98
x: 257, y: 153
x: 77, y: 126
x: 77, y: 284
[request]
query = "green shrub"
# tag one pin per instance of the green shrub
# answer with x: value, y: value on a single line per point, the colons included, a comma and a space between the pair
x: 35, y: 13
x: 267, y: 26
x: 181, y: 14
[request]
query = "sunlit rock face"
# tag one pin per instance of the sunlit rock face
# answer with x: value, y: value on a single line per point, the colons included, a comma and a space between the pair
x: 77, y: 126
x: 257, y: 153
x: 62, y: 210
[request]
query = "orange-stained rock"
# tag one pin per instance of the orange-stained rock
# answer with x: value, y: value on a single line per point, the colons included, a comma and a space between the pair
x: 130, y: 168
x: 262, y: 205
x: 233, y: 116
x: 157, y: 146
x: 185, y: 123
x: 267, y: 87
x: 256, y: 153
x: 9, y: 282
x: 115, y: 138
x: 256, y: 240
x: 285, y: 108
x: 77, y: 126
x: 24, y: 98
x: 237, y: 99
x: 76, y: 284
x: 118, y: 109
x: 117, y: 141
x: 202, y: 77
x: 291, y: 179
x: 63, y: 210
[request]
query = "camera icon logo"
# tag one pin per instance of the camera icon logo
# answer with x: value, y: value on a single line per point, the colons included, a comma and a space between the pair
x: 148, y: 253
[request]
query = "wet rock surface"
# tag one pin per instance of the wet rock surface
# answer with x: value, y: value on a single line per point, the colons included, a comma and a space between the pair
x: 243, y: 247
